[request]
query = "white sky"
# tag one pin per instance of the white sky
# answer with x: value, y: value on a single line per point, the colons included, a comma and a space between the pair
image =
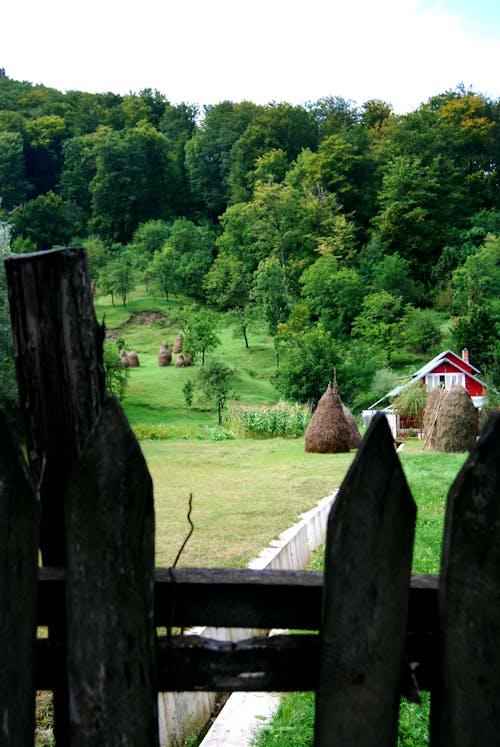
x: 207, y: 51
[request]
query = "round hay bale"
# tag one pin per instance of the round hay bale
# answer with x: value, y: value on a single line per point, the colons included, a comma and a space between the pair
x: 164, y: 357
x: 182, y: 362
x: 356, y: 437
x: 328, y: 432
x: 124, y: 358
x: 433, y: 405
x: 178, y: 343
x: 133, y: 359
x: 456, y: 427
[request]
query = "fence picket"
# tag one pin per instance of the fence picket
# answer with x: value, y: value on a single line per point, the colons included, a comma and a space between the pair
x: 110, y: 590
x: 58, y: 352
x: 466, y: 703
x: 367, y: 573
x: 18, y: 594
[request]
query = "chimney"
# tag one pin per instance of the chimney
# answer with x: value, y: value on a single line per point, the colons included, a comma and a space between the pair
x: 465, y: 355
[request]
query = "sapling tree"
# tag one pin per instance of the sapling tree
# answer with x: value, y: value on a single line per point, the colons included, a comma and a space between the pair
x: 214, y: 380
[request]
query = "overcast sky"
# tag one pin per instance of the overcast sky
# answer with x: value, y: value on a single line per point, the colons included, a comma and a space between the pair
x: 207, y: 51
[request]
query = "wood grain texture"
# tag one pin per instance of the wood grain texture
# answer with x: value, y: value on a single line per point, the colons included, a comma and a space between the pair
x: 109, y: 591
x: 58, y: 356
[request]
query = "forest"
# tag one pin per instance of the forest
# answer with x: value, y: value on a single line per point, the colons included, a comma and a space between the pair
x: 350, y: 232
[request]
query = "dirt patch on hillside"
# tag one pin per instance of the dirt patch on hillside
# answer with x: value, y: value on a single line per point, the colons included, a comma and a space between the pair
x: 146, y: 318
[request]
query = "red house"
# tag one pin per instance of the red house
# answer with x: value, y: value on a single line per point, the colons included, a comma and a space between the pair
x: 445, y: 370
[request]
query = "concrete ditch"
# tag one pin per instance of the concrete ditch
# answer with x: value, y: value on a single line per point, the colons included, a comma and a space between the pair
x: 243, y: 712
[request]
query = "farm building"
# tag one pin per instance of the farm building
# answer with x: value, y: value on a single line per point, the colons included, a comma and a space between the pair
x: 444, y: 370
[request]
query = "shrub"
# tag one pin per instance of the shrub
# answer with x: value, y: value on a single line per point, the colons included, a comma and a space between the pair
x: 115, y: 373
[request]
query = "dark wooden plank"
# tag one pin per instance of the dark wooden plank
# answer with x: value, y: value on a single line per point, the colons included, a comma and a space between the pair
x: 245, y: 598
x: 109, y: 591
x: 18, y: 592
x: 58, y: 356
x: 283, y: 663
x: 367, y: 576
x: 466, y: 704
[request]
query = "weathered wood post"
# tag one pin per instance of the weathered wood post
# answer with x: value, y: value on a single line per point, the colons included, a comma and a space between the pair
x: 97, y: 506
x: 58, y: 357
x: 465, y: 705
x: 367, y: 576
x: 18, y: 594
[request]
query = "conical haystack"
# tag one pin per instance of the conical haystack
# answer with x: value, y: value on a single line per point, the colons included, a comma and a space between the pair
x: 328, y: 432
x: 457, y: 422
x: 133, y: 359
x: 356, y: 437
x: 178, y: 343
x: 164, y: 355
x: 124, y: 358
x: 182, y: 362
x: 432, y: 411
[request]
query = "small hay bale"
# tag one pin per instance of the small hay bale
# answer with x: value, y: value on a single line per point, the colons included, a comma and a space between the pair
x: 328, y: 432
x: 356, y: 437
x: 133, y: 359
x: 178, y: 343
x: 164, y: 357
x: 124, y: 358
x: 457, y: 422
x: 433, y: 406
x: 182, y: 362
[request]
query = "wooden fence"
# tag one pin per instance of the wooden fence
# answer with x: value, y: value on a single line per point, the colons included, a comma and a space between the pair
x: 85, y: 500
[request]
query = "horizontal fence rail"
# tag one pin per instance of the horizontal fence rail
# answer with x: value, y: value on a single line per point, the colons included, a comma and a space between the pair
x: 242, y: 598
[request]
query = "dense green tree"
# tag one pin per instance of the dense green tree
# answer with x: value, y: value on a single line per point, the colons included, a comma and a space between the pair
x: 227, y: 283
x: 333, y: 115
x: 13, y: 183
x: 420, y: 330
x: 410, y: 221
x: 333, y: 293
x: 178, y: 124
x: 149, y: 238
x: 78, y: 171
x: 276, y: 127
x: 131, y: 184
x: 393, y: 274
x: 193, y: 248
x: 309, y: 364
x: 478, y: 330
x: 47, y: 221
x: 44, y: 137
x: 160, y: 273
x: 379, y: 322
x: 477, y: 281
x: 208, y: 152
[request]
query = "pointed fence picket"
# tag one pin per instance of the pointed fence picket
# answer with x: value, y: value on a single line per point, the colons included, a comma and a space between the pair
x: 382, y: 632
